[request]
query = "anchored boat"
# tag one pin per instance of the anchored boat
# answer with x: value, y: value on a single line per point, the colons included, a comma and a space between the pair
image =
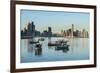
x: 57, y: 43
x: 33, y: 42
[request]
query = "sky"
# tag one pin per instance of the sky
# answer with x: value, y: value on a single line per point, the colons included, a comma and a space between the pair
x: 57, y: 20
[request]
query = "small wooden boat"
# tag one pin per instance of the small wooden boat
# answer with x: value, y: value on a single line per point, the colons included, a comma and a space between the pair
x: 53, y: 44
x: 38, y: 45
x: 61, y: 41
x: 64, y: 50
x: 57, y: 43
x: 33, y: 42
x: 41, y: 39
x: 62, y: 47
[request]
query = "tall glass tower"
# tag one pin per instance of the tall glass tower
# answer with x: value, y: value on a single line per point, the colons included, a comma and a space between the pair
x: 72, y: 32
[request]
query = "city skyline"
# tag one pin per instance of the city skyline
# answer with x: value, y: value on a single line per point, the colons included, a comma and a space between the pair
x: 59, y: 20
x: 30, y: 31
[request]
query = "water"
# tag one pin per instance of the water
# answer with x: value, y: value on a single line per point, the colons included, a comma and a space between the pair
x: 78, y: 50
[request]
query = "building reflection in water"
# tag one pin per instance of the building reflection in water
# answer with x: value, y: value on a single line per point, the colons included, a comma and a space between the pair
x: 49, y: 39
x: 38, y: 51
x: 71, y: 45
x: 30, y: 47
x: 33, y: 50
x: 84, y: 44
x: 64, y: 50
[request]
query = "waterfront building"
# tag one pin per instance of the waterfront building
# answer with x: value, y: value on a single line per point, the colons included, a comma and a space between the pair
x: 72, y: 31
x: 77, y: 34
x: 84, y: 34
x: 49, y: 31
x: 63, y: 33
x: 45, y: 33
x: 31, y: 29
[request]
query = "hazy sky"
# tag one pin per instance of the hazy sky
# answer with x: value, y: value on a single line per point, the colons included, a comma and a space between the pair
x: 59, y: 20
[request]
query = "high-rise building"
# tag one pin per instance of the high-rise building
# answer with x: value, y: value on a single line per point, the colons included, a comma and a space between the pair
x: 84, y: 34
x: 72, y: 31
x: 33, y: 26
x: 31, y: 29
x: 49, y: 31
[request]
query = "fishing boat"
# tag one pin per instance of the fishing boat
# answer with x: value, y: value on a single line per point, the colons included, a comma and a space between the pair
x: 53, y: 44
x: 33, y: 42
x: 61, y: 41
x: 62, y: 47
x: 41, y: 39
x: 57, y: 43
x: 38, y: 45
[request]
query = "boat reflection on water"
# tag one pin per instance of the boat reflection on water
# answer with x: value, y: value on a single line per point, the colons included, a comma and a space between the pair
x: 35, y: 51
x: 38, y: 51
x: 62, y: 47
x: 64, y: 50
x: 78, y: 49
x: 30, y: 47
x: 59, y: 45
x: 34, y: 48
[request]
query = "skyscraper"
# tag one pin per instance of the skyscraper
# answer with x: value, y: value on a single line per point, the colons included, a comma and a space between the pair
x: 31, y: 29
x: 33, y: 26
x: 49, y: 31
x: 72, y: 31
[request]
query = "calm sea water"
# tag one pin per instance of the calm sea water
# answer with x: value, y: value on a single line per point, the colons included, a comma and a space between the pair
x: 78, y: 50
